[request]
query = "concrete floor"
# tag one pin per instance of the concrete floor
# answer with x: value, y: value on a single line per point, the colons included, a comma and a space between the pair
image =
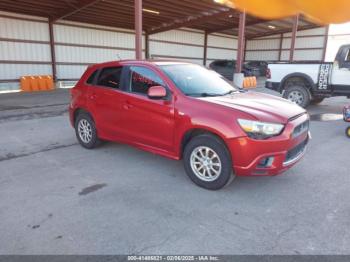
x: 58, y: 198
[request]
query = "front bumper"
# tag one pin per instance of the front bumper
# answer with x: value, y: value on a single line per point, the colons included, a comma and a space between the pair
x: 71, y: 115
x: 280, y: 152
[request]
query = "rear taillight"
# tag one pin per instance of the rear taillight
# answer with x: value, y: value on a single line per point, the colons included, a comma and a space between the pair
x: 268, y: 73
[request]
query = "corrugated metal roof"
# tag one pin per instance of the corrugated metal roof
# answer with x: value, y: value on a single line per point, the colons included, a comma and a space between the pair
x: 158, y: 15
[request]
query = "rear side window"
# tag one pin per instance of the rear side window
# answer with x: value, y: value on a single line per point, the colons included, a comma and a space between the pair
x: 142, y: 79
x: 110, y: 77
x: 92, y: 77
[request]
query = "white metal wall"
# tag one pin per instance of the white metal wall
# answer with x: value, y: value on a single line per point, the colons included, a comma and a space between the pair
x: 188, y: 44
x: 24, y: 48
x: 309, y: 45
x: 221, y: 47
x: 184, y: 44
x: 78, y: 45
x: 338, y: 35
x: 264, y: 48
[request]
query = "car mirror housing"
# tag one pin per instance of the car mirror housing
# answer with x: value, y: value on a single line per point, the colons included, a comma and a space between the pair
x: 156, y: 92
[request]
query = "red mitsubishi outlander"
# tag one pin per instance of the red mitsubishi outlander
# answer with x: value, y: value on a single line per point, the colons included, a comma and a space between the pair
x: 185, y: 111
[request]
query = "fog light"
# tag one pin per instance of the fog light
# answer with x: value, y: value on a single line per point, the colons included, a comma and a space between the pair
x: 266, y: 162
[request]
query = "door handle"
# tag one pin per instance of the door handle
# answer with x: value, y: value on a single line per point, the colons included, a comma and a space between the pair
x: 127, y: 105
x: 93, y: 96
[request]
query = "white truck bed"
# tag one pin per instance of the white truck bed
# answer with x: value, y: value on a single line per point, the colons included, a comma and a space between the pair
x: 280, y: 70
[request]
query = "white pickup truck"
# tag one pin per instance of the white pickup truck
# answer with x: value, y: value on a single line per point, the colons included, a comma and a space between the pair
x: 305, y: 83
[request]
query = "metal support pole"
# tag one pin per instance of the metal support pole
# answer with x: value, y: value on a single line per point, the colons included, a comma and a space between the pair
x: 280, y: 48
x: 240, y: 51
x: 245, y: 50
x: 294, y: 35
x: 52, y: 50
x: 147, y: 45
x: 325, y: 44
x: 205, y: 48
x: 138, y: 29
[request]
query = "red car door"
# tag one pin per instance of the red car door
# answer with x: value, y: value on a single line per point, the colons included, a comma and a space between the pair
x: 147, y: 121
x: 104, y: 102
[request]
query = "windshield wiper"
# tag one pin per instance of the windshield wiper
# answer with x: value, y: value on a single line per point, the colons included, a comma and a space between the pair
x: 230, y: 92
x: 202, y: 94
x: 205, y: 94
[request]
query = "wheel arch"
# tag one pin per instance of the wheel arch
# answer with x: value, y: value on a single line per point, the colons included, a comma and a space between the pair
x: 196, y: 131
x: 80, y: 110
x: 307, y: 79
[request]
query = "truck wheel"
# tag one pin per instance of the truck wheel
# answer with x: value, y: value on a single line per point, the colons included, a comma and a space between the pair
x: 208, y: 162
x: 347, y: 132
x: 316, y: 100
x: 297, y: 94
x: 85, y: 131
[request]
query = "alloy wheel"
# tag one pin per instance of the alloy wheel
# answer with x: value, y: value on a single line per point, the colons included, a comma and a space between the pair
x: 205, y: 163
x: 85, y: 131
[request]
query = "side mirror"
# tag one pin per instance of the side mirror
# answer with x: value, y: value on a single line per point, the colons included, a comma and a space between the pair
x: 156, y: 92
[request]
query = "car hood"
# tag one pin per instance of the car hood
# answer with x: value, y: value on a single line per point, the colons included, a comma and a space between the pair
x: 263, y: 107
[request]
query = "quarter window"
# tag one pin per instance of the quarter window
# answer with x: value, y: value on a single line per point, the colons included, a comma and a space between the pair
x: 92, y: 77
x: 142, y: 79
x: 110, y: 77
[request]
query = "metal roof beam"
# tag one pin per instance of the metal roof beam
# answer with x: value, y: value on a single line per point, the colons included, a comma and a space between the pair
x: 190, y: 21
x: 82, y: 4
x: 235, y: 25
x: 282, y: 31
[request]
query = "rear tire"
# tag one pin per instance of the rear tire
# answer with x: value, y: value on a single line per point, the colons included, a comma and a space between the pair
x: 207, y: 162
x: 86, y: 132
x: 297, y: 94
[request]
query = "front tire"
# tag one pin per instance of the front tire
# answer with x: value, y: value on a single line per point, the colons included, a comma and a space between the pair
x: 208, y: 162
x: 85, y: 131
x: 297, y: 94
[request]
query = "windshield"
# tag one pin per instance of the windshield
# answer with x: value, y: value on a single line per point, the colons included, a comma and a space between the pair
x: 195, y: 80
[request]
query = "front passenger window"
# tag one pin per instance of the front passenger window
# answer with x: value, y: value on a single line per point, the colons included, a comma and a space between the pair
x: 110, y: 77
x: 142, y: 79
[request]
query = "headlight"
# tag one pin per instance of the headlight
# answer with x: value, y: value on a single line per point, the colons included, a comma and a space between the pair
x: 260, y: 130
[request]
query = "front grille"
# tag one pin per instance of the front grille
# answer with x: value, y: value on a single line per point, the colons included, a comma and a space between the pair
x: 294, y: 153
x: 300, y: 129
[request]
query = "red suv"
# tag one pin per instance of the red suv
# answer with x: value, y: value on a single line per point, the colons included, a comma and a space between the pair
x: 185, y: 111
